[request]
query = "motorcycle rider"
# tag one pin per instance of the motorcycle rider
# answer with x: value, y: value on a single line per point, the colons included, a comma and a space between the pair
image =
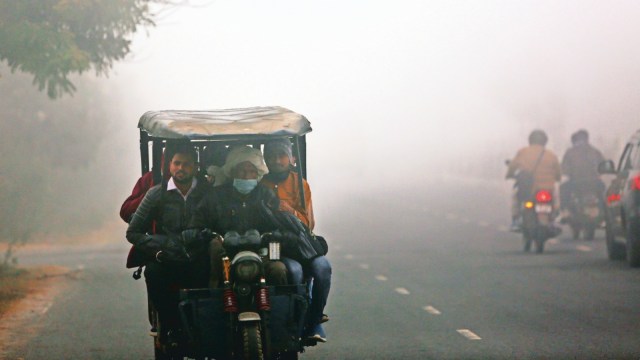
x: 580, y: 165
x: 285, y: 182
x: 170, y: 205
x: 541, y: 163
x: 236, y: 206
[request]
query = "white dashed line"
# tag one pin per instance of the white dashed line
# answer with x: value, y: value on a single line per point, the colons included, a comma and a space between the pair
x: 348, y: 257
x: 46, y: 308
x: 381, y: 278
x: 431, y: 310
x: 402, y: 291
x: 584, y: 248
x: 468, y: 334
x: 364, y: 266
x: 483, y: 223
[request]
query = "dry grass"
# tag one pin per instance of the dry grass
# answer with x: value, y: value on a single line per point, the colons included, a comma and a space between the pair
x: 14, y: 285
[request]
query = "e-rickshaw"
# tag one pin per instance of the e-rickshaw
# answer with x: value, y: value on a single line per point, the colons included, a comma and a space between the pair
x: 212, y: 328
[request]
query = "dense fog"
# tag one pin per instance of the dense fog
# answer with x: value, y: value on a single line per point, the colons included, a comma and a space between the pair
x: 398, y: 93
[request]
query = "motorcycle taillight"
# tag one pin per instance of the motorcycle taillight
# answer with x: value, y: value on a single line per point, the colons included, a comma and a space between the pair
x: 613, y: 198
x: 543, y: 196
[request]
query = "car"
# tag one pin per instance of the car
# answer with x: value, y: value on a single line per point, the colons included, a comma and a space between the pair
x: 622, y: 215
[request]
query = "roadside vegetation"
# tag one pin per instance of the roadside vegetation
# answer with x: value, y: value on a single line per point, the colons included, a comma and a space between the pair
x: 14, y: 285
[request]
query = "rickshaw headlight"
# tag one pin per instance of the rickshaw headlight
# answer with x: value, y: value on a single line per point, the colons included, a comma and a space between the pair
x: 247, y: 270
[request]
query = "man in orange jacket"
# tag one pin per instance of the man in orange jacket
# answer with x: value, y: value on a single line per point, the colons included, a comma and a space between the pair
x: 285, y: 183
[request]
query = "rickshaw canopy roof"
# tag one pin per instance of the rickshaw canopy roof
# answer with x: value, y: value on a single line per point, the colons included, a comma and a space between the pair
x: 225, y: 123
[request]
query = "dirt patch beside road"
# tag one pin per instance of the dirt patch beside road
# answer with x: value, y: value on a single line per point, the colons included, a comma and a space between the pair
x: 26, y: 296
x: 26, y: 293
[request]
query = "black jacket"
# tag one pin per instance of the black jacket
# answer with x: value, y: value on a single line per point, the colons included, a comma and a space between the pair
x: 224, y: 209
x: 168, y: 209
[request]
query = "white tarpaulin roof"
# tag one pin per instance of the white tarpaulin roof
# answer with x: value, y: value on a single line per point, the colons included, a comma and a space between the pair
x: 198, y: 124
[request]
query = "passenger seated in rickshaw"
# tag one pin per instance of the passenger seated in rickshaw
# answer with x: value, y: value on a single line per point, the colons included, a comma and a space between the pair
x: 236, y: 206
x: 169, y: 205
x: 144, y: 183
x: 285, y: 182
x: 213, y: 158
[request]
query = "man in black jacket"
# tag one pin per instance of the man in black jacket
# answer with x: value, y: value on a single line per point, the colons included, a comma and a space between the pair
x: 168, y: 207
x: 580, y: 165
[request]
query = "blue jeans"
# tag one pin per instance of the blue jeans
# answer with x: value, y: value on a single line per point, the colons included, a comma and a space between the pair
x: 294, y: 269
x: 319, y: 269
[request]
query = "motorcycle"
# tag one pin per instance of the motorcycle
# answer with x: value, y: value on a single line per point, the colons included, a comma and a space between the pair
x: 537, y: 220
x: 246, y: 319
x: 585, y: 214
x: 536, y: 212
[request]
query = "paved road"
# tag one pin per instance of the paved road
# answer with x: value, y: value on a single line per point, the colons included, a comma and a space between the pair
x: 415, y: 277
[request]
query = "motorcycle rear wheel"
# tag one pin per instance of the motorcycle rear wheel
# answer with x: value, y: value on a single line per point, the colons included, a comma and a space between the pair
x: 526, y: 239
x: 539, y: 246
x: 589, y: 231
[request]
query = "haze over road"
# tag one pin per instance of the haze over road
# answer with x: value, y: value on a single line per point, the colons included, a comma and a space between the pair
x: 430, y: 275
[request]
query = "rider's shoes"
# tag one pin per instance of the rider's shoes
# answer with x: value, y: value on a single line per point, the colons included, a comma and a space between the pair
x: 317, y: 333
x: 172, y: 337
x: 324, y: 319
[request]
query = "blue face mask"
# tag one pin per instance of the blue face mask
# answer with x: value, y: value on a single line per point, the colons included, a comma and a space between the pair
x: 244, y: 186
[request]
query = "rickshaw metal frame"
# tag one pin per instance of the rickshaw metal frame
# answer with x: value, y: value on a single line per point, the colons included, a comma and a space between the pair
x: 282, y: 123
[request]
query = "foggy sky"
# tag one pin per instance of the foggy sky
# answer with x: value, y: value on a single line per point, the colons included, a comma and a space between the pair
x: 398, y: 92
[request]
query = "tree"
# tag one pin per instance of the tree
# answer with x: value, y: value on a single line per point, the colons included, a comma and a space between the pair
x: 52, y: 39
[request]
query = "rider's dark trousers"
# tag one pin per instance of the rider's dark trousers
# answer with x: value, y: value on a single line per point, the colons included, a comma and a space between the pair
x: 164, y: 280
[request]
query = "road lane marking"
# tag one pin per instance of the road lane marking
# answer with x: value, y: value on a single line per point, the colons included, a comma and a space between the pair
x: 431, y: 310
x: 348, y: 257
x: 584, y: 248
x: 46, y: 308
x: 468, y: 334
x: 402, y: 291
x: 381, y: 278
x: 483, y: 223
x: 364, y: 266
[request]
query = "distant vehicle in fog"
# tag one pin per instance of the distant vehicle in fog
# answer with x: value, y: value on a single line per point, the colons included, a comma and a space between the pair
x: 622, y: 215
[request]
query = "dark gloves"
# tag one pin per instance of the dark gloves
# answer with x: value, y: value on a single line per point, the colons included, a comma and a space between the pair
x: 151, y: 244
x: 195, y: 241
x: 176, y: 248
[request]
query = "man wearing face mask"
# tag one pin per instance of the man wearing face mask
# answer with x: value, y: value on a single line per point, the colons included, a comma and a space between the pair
x: 236, y: 206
